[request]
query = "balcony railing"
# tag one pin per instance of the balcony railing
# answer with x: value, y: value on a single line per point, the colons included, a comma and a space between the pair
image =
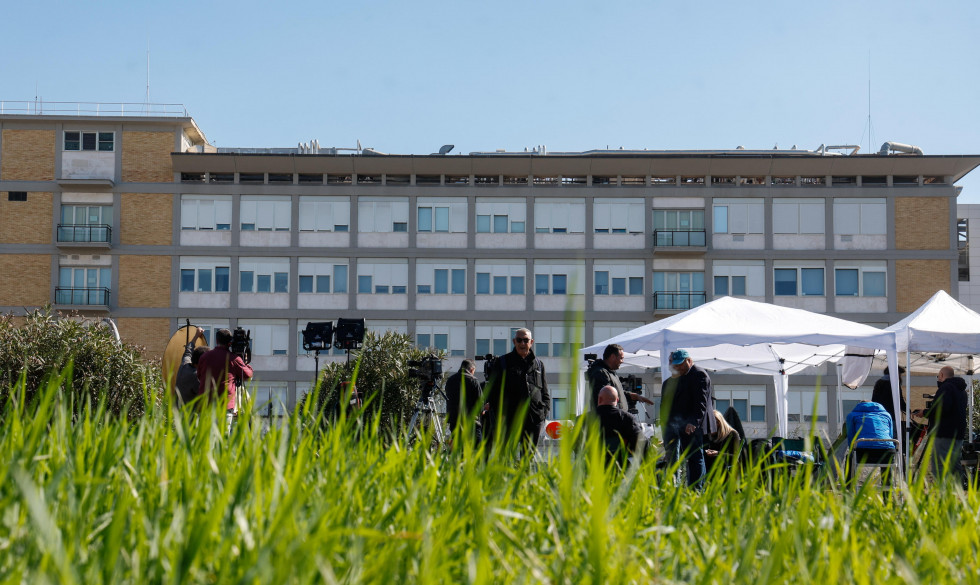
x: 43, y: 108
x: 665, y: 238
x: 98, y: 297
x: 83, y: 233
x: 678, y: 301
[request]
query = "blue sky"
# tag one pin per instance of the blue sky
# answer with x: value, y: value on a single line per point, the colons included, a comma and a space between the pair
x: 407, y: 77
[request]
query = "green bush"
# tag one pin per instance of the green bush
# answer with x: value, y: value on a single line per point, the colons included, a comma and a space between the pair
x: 48, y: 342
x: 381, y: 367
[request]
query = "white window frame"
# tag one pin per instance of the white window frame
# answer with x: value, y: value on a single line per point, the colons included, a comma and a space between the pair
x: 205, y: 212
x: 455, y: 332
x: 266, y: 394
x: 324, y: 214
x: 270, y: 267
x: 389, y: 274
x: 453, y: 208
x: 860, y: 216
x: 745, y: 216
x: 548, y: 334
x: 198, y: 263
x: 753, y: 271
x: 862, y: 267
x: 316, y: 267
x: 496, y: 269
x: 514, y: 210
x: 270, y: 337
x: 495, y: 337
x: 798, y: 216
x: 628, y: 272
x: 618, y: 216
x: 99, y: 135
x: 559, y: 216
x: 574, y: 277
x: 265, y: 214
x: 799, y: 267
x: 382, y: 214
x: 426, y: 273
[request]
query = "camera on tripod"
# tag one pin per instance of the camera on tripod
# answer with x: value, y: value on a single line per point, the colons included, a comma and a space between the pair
x: 631, y: 384
x: 930, y: 400
x: 590, y: 358
x: 489, y: 361
x: 241, y: 344
x: 427, y: 369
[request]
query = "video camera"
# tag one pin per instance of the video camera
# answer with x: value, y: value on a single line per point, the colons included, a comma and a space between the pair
x: 489, y: 361
x: 590, y: 358
x: 427, y: 369
x: 241, y: 344
x: 930, y: 400
x: 631, y: 383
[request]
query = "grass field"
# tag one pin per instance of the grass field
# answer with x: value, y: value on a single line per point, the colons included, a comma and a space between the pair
x: 171, y: 500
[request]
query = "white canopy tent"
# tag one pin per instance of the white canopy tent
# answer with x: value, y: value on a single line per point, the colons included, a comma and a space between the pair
x: 942, y: 332
x: 749, y: 337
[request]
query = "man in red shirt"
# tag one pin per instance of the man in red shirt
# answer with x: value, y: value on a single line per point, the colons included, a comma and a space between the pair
x: 218, y: 371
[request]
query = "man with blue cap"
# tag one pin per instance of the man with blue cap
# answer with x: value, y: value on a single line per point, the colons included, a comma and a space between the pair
x: 691, y: 416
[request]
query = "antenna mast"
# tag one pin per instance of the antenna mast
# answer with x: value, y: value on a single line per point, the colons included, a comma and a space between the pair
x: 870, y: 127
x: 147, y: 74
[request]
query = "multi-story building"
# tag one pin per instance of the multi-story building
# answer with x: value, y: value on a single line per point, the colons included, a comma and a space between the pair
x: 139, y: 218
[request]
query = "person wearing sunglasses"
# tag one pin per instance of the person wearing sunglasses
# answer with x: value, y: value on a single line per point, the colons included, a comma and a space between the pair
x: 517, y: 393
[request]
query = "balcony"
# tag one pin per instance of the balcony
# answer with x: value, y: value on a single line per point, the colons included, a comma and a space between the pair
x: 664, y: 301
x: 679, y: 238
x: 99, y: 235
x: 82, y: 297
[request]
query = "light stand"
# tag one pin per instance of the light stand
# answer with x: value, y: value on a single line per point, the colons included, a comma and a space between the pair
x: 349, y: 335
x: 317, y: 336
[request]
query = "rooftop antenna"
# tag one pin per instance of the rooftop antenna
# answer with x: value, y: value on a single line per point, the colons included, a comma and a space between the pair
x: 148, y: 74
x: 870, y: 126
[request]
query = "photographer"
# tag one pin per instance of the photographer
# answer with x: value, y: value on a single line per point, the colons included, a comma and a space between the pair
x: 602, y: 373
x: 187, y: 382
x: 947, y: 423
x: 219, y: 370
x: 621, y: 434
x: 463, y: 397
x: 517, y: 386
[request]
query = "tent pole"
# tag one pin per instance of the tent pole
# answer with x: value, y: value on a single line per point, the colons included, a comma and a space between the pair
x: 908, y: 411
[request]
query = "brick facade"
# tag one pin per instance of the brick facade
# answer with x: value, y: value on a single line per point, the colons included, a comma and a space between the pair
x: 146, y: 157
x: 144, y: 281
x: 26, y: 222
x: 146, y: 219
x: 27, y: 155
x: 26, y: 280
x: 153, y: 334
x: 917, y: 280
x: 922, y: 223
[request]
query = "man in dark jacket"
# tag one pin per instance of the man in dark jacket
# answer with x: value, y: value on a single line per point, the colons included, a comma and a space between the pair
x: 691, y: 416
x: 621, y: 434
x: 603, y: 373
x: 947, y: 422
x: 463, y: 397
x: 517, y: 392
x: 882, y: 394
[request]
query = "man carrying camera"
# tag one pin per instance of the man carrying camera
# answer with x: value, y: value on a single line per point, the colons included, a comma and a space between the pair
x: 602, y: 373
x: 517, y: 385
x: 219, y: 370
x: 947, y: 422
x: 463, y: 398
x: 621, y: 434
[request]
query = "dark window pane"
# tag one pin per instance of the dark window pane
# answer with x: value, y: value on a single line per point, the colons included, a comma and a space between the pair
x: 619, y: 286
x: 441, y: 285
x: 323, y: 283
x: 499, y: 285
x: 88, y: 140
x: 558, y: 284
x: 282, y: 282
x: 542, y: 284
x: 245, y: 279
x: 305, y: 284
x: 263, y: 283
x: 516, y: 285
x: 785, y: 281
x: 222, y: 278
x: 186, y: 280
x: 459, y: 281
x: 482, y: 283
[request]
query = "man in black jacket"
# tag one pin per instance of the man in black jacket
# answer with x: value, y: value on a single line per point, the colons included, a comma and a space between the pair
x: 882, y: 394
x: 517, y: 392
x: 621, y: 434
x: 603, y: 373
x: 691, y: 416
x: 463, y: 397
x: 947, y: 422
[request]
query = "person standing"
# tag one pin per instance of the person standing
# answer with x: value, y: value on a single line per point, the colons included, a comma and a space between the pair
x: 517, y: 392
x: 219, y: 370
x: 602, y: 373
x: 187, y: 382
x: 947, y: 423
x: 882, y: 394
x: 691, y: 417
x: 463, y: 397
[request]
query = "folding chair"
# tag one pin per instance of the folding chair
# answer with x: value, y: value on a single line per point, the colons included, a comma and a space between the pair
x: 880, y: 459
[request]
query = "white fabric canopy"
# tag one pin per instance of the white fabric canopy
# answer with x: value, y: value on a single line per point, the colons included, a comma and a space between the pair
x: 749, y: 337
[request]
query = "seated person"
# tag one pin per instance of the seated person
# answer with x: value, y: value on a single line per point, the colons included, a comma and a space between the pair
x: 723, y: 444
x: 870, y: 420
x: 619, y: 428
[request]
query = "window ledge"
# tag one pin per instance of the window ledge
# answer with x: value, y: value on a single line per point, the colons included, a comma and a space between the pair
x: 104, y: 183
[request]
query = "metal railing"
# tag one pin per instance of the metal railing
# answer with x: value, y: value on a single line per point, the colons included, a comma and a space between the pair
x: 82, y: 296
x: 42, y: 108
x: 678, y: 301
x: 664, y: 238
x: 70, y: 232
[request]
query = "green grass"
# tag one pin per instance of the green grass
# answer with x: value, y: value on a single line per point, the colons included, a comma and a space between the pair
x: 169, y: 499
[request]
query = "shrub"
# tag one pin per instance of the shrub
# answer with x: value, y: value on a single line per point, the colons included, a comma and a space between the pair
x: 101, y: 368
x: 382, y: 378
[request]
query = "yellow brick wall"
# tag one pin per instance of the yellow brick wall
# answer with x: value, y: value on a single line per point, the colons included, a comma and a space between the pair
x: 152, y: 333
x: 27, y: 155
x: 922, y: 223
x: 26, y: 280
x: 26, y: 222
x: 146, y: 219
x: 917, y: 280
x: 146, y: 157
x: 144, y: 281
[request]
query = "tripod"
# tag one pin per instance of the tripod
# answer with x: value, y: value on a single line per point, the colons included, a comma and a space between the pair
x: 426, y: 415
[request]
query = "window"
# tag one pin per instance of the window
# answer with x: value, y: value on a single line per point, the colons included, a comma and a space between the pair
x: 798, y: 281
x: 863, y: 280
x: 680, y: 227
x: 382, y: 277
x: 199, y: 212
x: 678, y: 290
x: 269, y: 337
x: 199, y: 274
x: 559, y: 216
x: 618, y: 216
x: 83, y: 286
x: 446, y: 277
x: 618, y: 279
x: 270, y: 399
x: 100, y: 141
x: 448, y: 336
x: 729, y: 285
x: 500, y: 215
x: 554, y: 278
x: 963, y: 246
x: 324, y: 277
x: 85, y: 223
x: 739, y: 278
x: 382, y: 214
x: 263, y: 275
x: 265, y: 214
x: 500, y: 277
x: 554, y: 340
x: 17, y: 196
x: 441, y: 215
x: 555, y: 284
x: 738, y: 216
x: 324, y: 214
x: 798, y: 216
x: 495, y: 339
x: 859, y: 217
